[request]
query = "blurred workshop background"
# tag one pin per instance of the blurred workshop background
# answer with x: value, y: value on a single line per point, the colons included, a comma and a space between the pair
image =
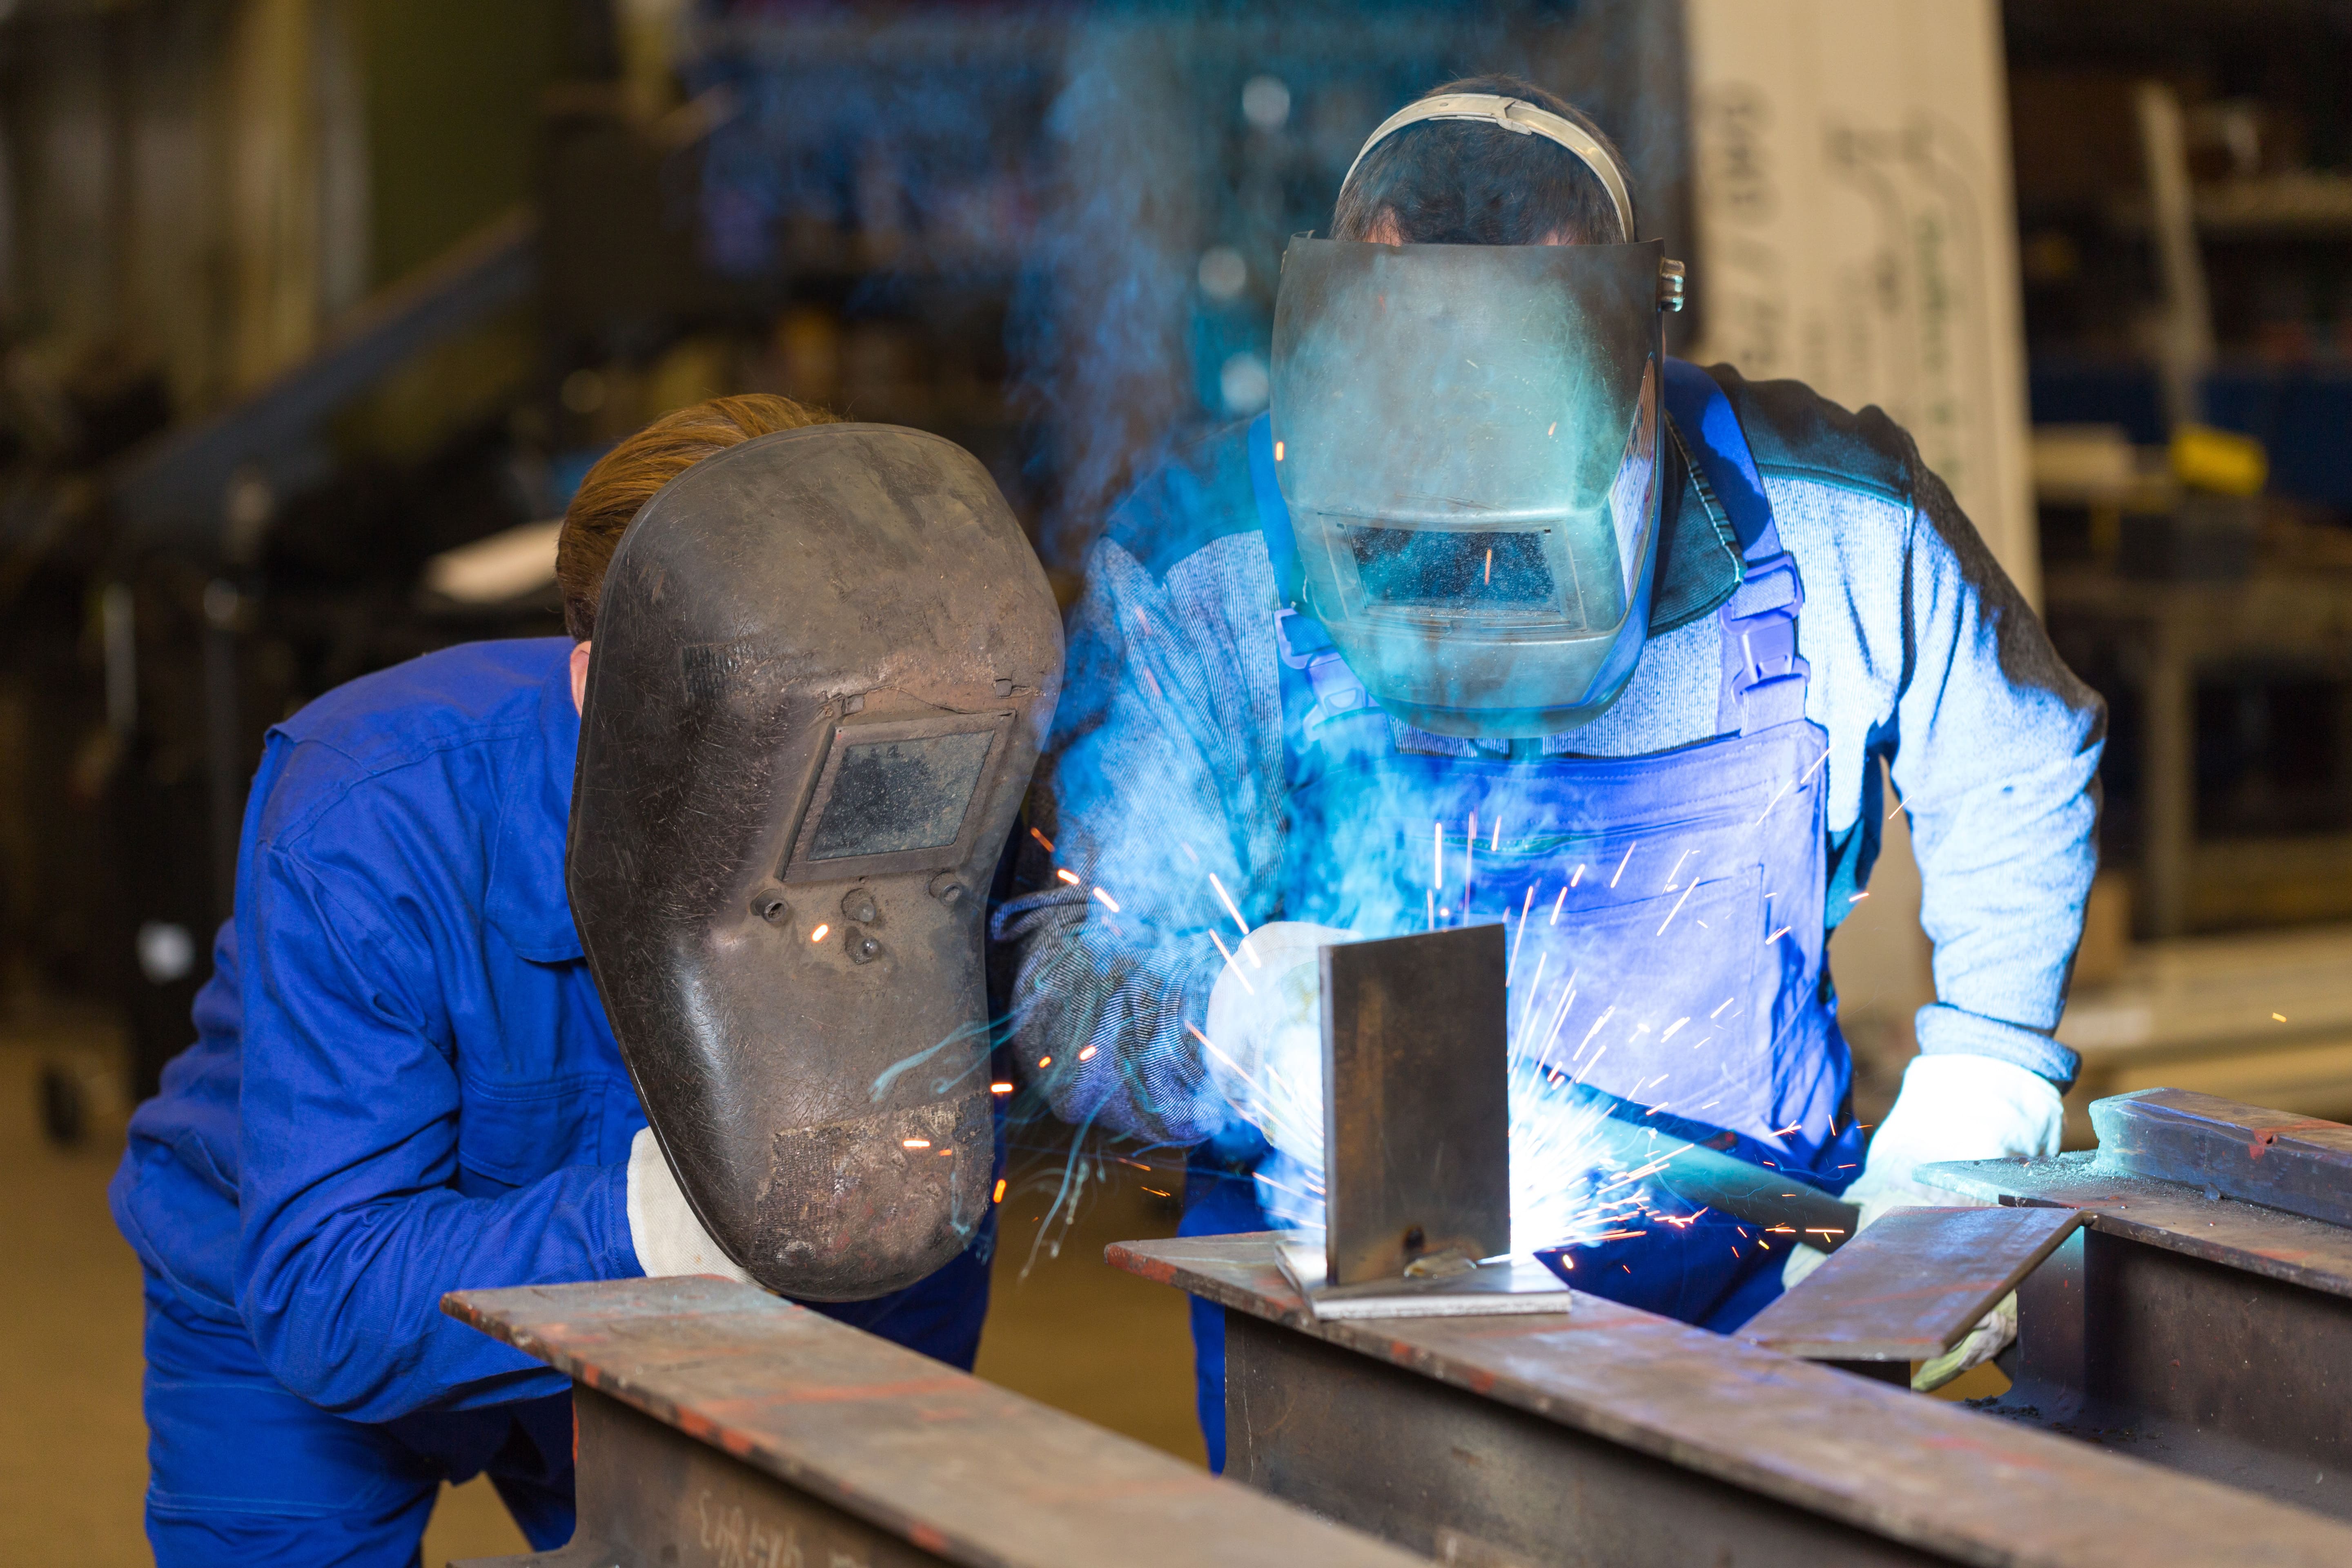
x: 313, y: 312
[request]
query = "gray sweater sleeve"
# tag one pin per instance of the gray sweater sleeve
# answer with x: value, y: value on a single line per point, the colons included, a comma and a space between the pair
x: 1160, y: 796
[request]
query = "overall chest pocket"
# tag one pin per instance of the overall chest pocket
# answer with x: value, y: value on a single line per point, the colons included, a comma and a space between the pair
x: 1664, y: 1009
x: 513, y: 1136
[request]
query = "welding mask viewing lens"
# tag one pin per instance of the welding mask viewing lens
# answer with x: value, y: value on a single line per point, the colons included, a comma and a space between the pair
x: 1468, y: 440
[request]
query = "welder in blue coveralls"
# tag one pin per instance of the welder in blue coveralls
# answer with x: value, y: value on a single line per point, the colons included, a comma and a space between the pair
x: 1500, y: 614
x: 403, y: 1083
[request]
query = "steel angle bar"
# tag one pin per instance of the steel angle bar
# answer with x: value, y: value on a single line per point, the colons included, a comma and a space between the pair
x: 2185, y: 1325
x: 2298, y: 1164
x: 724, y: 1427
x: 1610, y: 1435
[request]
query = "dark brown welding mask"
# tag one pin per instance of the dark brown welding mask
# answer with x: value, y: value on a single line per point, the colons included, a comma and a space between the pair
x: 823, y: 663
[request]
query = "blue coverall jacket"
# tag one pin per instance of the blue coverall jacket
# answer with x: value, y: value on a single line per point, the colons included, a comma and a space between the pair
x: 403, y: 1084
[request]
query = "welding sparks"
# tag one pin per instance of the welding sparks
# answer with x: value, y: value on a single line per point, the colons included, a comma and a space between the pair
x: 1277, y: 451
x: 914, y: 1142
x: 1238, y: 972
x: 1107, y: 901
x: 1000, y: 1191
x: 1437, y: 853
x: 1625, y: 862
x: 819, y: 934
x: 1087, y: 1054
x: 1000, y: 1088
x: 1042, y: 839
x: 1557, y: 904
x: 1067, y: 875
x: 1490, y: 566
x: 1232, y: 908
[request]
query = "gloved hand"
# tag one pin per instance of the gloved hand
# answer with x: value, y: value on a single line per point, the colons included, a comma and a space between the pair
x: 1951, y: 1107
x: 1265, y: 1020
x: 662, y: 1227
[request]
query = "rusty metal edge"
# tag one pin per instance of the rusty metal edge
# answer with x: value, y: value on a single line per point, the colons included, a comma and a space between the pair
x: 1961, y: 1542
x: 467, y: 1308
x: 1994, y: 1180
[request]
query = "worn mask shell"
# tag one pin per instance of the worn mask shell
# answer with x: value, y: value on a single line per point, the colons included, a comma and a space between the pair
x: 823, y: 663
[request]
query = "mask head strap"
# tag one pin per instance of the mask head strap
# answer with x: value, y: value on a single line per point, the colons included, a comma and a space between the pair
x: 1522, y: 119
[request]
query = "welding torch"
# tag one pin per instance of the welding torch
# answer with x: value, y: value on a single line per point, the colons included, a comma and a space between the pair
x: 1687, y: 1158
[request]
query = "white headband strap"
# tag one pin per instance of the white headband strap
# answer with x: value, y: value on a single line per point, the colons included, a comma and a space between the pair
x: 1520, y: 118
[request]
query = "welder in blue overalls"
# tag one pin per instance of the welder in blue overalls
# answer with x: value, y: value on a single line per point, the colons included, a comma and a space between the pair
x: 406, y: 1079
x: 1501, y: 614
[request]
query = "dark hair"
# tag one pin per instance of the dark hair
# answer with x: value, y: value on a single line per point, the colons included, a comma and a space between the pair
x: 1457, y: 182
x: 626, y: 477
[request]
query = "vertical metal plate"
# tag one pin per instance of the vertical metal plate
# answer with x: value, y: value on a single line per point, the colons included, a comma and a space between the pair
x: 1416, y: 1105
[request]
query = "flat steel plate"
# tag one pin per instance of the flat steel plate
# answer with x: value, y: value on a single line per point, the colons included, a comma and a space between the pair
x: 1416, y: 1064
x: 1909, y: 1287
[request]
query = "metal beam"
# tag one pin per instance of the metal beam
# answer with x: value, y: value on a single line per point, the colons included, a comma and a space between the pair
x: 1611, y: 1435
x: 2207, y: 1333
x: 174, y: 490
x: 724, y: 1427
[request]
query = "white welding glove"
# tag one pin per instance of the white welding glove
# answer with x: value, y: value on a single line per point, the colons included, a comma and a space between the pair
x: 1266, y: 1023
x: 1951, y: 1107
x: 662, y: 1227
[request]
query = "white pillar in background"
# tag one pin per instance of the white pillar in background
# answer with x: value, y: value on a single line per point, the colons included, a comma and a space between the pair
x: 1857, y: 230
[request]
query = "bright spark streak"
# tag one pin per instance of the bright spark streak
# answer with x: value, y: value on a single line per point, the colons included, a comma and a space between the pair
x: 1562, y: 899
x: 1232, y: 908
x: 1572, y: 881
x: 1677, y: 909
x: 1437, y: 854
x: 1677, y: 870
x: 1525, y: 906
x: 819, y: 934
x: 1044, y: 1061
x: 1087, y: 1054
x: 1067, y: 875
x: 1108, y: 902
x: 1535, y: 986
x: 1669, y: 1035
x: 1628, y: 860
x: 1000, y: 1191
x: 1495, y: 843
x: 1238, y: 972
x: 1042, y: 839
x: 1719, y: 1007
x: 1490, y: 566
x: 1000, y: 1088
x: 914, y: 1142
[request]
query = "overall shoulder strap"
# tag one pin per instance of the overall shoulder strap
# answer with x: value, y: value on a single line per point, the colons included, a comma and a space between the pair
x: 1718, y: 446
x: 1764, y: 679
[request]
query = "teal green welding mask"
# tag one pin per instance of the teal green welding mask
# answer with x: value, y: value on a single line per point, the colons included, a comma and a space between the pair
x: 1467, y: 438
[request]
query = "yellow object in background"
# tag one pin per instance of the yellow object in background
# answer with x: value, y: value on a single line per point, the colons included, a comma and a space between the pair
x: 2222, y: 461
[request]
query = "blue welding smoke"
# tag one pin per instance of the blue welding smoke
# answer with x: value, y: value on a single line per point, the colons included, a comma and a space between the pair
x: 1119, y: 182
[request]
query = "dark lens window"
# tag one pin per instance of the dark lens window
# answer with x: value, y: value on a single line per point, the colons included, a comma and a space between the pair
x: 889, y: 795
x: 1466, y: 571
